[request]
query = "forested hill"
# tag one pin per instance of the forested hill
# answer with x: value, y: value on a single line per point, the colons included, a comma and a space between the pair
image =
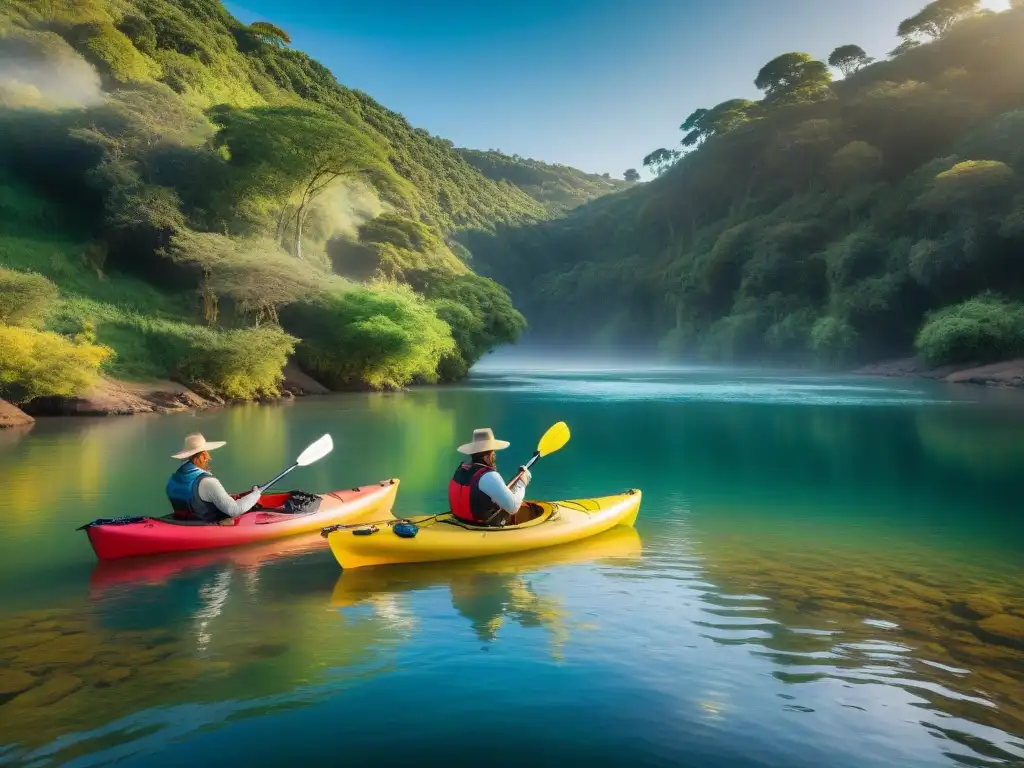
x: 834, y: 220
x: 183, y: 195
x: 558, y: 187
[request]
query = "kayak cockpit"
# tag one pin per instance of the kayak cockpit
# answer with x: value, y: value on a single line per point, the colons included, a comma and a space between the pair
x: 530, y: 514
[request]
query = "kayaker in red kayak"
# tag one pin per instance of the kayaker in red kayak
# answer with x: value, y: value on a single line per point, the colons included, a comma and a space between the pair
x: 195, y: 494
x: 477, y: 493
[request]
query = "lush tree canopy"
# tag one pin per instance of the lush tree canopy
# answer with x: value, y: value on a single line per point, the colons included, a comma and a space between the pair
x: 270, y: 33
x: 828, y: 223
x: 848, y: 59
x: 189, y: 183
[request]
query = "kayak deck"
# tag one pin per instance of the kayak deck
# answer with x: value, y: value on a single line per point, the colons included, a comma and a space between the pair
x: 132, y: 537
x: 442, y: 537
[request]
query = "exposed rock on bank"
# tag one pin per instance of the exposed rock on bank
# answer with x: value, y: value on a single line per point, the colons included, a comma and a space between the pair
x: 121, y: 398
x: 298, y: 382
x: 110, y: 398
x: 1009, y: 373
x: 11, y: 416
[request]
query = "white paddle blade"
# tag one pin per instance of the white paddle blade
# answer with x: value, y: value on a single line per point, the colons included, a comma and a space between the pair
x: 316, y: 451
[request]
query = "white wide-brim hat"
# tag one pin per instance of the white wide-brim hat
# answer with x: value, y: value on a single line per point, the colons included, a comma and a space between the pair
x: 483, y: 441
x: 197, y: 444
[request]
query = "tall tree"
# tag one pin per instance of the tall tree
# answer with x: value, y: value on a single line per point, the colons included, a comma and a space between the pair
x: 937, y: 18
x: 660, y: 160
x: 793, y: 77
x: 631, y: 175
x: 705, y: 123
x: 291, y: 155
x: 270, y: 33
x: 848, y: 59
x: 908, y: 44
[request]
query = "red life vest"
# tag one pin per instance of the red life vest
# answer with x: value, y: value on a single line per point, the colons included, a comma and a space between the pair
x: 465, y: 499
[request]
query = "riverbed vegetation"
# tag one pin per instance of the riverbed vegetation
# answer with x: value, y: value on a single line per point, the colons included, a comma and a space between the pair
x: 868, y: 205
x: 209, y: 202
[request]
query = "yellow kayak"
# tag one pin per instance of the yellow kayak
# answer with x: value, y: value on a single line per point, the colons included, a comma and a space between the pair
x: 442, y: 537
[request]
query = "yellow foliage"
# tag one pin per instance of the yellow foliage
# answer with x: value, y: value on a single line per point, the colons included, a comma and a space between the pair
x: 40, y: 363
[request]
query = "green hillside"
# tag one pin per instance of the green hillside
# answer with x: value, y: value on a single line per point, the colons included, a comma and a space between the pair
x: 558, y: 188
x: 209, y: 201
x: 834, y: 220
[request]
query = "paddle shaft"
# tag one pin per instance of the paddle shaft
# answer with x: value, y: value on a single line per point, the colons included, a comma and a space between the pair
x: 263, y: 488
x: 519, y: 474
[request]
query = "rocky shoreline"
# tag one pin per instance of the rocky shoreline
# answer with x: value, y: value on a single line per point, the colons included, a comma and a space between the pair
x: 1009, y: 373
x: 110, y: 397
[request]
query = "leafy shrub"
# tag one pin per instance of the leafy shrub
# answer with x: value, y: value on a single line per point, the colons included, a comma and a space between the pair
x: 40, y: 363
x: 25, y: 298
x: 982, y: 329
x: 496, y: 321
x: 380, y: 337
x: 112, y: 53
x: 833, y: 340
x: 240, y: 364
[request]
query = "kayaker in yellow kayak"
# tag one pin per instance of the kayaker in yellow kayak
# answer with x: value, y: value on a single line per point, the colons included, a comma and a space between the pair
x: 195, y: 494
x: 477, y: 493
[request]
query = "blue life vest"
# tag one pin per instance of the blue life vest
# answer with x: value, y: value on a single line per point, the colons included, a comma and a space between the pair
x: 183, y: 493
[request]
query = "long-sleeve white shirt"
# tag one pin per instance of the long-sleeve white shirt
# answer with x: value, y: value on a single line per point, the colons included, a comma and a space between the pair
x: 211, y: 490
x: 509, y: 499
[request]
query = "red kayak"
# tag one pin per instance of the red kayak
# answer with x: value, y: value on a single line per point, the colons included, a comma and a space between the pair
x: 277, y: 515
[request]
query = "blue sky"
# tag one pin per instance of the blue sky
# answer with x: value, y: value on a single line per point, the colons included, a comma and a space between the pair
x: 595, y: 84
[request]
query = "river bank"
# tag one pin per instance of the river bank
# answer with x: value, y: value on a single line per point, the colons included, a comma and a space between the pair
x: 1009, y: 373
x: 112, y: 397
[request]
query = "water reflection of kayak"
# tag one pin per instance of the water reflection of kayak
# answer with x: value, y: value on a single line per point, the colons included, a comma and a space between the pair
x: 160, y: 569
x: 618, y: 544
x: 130, y: 537
x: 443, y: 537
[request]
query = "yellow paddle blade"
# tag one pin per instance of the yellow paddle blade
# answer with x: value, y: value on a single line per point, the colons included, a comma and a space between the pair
x: 553, y: 439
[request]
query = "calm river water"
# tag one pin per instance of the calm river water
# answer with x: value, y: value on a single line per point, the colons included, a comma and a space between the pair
x: 825, y: 572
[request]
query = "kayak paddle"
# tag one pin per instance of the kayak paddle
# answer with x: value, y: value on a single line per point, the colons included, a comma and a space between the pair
x: 314, y: 452
x: 554, y: 439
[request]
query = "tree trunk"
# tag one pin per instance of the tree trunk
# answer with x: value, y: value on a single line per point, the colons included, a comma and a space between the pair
x: 300, y: 218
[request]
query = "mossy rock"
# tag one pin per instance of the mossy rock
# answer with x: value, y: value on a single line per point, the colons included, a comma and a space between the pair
x: 975, y: 607
x: 18, y: 640
x: 50, y: 692
x: 64, y: 650
x: 15, y: 681
x: 1003, y: 629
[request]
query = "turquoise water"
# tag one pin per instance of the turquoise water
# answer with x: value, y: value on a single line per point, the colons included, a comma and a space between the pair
x: 825, y: 571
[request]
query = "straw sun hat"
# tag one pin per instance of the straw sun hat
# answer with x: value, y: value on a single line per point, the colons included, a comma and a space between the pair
x: 196, y: 443
x: 483, y: 441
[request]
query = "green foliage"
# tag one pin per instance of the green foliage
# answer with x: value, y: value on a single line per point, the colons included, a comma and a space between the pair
x: 972, y: 184
x: 25, y: 298
x: 983, y: 329
x: 849, y: 59
x: 112, y: 53
x: 240, y: 364
x: 269, y: 33
x: 170, y: 209
x: 822, y: 225
x: 937, y: 18
x: 833, y: 341
x: 42, y: 363
x: 492, y: 320
x: 631, y: 175
x: 660, y: 160
x: 794, y: 78
x: 557, y: 187
x: 389, y: 337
